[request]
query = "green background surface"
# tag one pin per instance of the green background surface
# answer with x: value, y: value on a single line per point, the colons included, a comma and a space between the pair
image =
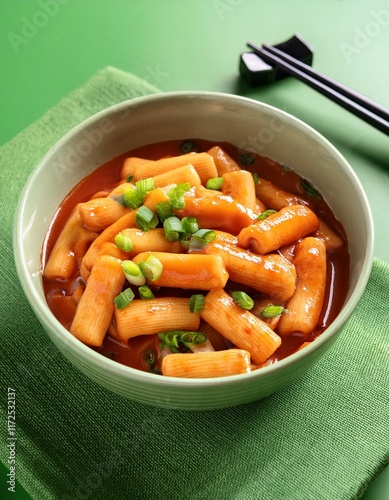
x: 50, y: 47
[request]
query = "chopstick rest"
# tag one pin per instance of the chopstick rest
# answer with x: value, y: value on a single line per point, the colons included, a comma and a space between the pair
x: 361, y: 106
x: 256, y: 71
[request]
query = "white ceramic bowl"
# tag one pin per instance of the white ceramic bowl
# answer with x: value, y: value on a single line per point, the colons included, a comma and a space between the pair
x: 182, y: 115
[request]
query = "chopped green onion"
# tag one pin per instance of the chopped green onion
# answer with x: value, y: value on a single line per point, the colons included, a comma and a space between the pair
x: 193, y: 338
x: 149, y: 356
x: 266, y: 214
x: 196, y: 303
x: 124, y: 298
x: 206, y: 234
x: 246, y: 159
x: 243, y: 300
x: 271, y: 311
x: 123, y: 242
x: 188, y: 147
x: 176, y: 199
x: 176, y: 195
x: 152, y: 268
x: 145, y: 219
x: 201, y: 238
x: 189, y: 224
x: 144, y: 186
x: 133, y: 273
x: 164, y: 210
x: 183, y: 186
x: 172, y: 228
x: 255, y: 177
x: 131, y: 198
x: 214, y: 183
x: 184, y: 239
x: 309, y: 190
x: 180, y: 340
x: 170, y: 340
x: 129, y: 178
x: 145, y: 292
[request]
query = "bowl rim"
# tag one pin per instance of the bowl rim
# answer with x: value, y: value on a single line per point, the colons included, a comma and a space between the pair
x: 48, y: 320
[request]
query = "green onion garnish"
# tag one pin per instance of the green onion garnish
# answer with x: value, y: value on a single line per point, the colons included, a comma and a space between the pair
x: 188, y: 147
x: 170, y: 340
x: 164, y: 210
x: 145, y: 219
x: 271, y: 311
x: 184, y: 239
x: 129, y: 178
x: 243, y: 300
x: 131, y: 198
x: 201, y: 238
x: 183, y: 186
x: 189, y: 224
x: 144, y: 186
x: 180, y: 340
x: 124, y: 298
x: 176, y: 195
x: 123, y: 242
x: 196, y: 303
x: 246, y: 159
x: 133, y: 273
x: 266, y: 214
x: 214, y: 183
x: 192, y: 338
x: 255, y: 177
x: 152, y: 268
x: 176, y: 200
x: 172, y: 228
x: 145, y: 292
x: 309, y: 190
x: 206, y: 234
x: 149, y: 356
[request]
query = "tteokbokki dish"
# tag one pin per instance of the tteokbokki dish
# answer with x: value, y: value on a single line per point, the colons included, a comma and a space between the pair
x: 195, y: 259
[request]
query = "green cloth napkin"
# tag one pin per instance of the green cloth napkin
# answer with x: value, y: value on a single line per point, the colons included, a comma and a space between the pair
x: 324, y: 437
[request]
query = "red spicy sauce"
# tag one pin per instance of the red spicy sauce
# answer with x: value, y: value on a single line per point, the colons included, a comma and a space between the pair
x: 105, y: 178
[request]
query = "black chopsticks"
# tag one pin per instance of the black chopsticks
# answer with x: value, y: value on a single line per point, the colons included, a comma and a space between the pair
x: 359, y: 105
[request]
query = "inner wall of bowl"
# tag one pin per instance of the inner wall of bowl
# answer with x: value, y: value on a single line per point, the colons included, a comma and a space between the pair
x: 240, y: 121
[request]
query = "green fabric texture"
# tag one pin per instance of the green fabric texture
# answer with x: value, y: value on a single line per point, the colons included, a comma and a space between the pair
x: 324, y: 437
